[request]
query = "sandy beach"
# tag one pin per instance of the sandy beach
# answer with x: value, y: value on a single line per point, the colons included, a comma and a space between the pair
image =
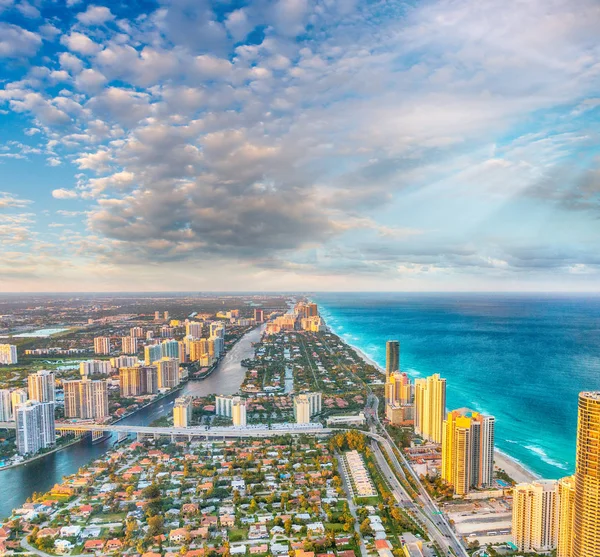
x: 517, y: 471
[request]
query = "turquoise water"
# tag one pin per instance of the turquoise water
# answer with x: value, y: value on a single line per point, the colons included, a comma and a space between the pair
x: 521, y: 358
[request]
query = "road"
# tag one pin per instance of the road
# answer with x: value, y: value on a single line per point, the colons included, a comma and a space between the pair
x: 351, y: 505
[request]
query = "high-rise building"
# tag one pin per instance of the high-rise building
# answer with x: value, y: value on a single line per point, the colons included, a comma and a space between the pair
x: 224, y: 405
x: 166, y: 331
x: 166, y: 315
x: 136, y: 332
x: 168, y: 372
x: 398, y: 388
x: 535, y: 507
x: 216, y: 329
x: 169, y: 349
x: 586, y: 510
x: 86, y: 399
x: 314, y: 401
x: 392, y: 356
x: 302, y: 409
x: 35, y: 427
x: 8, y: 354
x: 95, y: 367
x: 152, y: 352
x: 6, y: 413
x: 566, y: 505
x: 139, y: 380
x: 123, y: 361
x: 41, y: 386
x: 182, y: 411
x: 193, y: 329
x: 129, y: 345
x: 102, y: 345
x: 18, y: 396
x: 468, y: 450
x: 313, y: 310
x: 238, y: 412
x: 259, y: 315
x: 430, y: 407
x: 157, y: 316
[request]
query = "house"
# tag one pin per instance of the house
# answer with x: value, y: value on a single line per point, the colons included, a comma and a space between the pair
x: 189, y: 508
x: 113, y: 545
x: 94, y: 545
x: 258, y: 549
x: 70, y: 531
x: 257, y: 531
x: 179, y: 535
x: 48, y: 532
x: 227, y: 520
x: 63, y: 546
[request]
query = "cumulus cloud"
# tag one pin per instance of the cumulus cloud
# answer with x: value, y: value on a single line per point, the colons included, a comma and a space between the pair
x: 95, y: 15
x: 16, y: 41
x: 80, y: 43
x: 63, y: 193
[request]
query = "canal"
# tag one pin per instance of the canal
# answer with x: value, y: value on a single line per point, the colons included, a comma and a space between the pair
x: 17, y: 484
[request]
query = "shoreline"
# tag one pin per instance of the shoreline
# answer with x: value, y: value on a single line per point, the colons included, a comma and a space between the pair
x: 518, y: 471
x: 42, y: 455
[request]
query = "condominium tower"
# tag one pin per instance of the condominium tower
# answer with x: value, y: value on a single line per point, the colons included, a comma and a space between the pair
x: 430, y: 407
x: 40, y: 386
x: 182, y: 411
x: 102, y: 345
x: 564, y: 529
x: 35, y: 428
x: 535, y: 508
x: 586, y: 510
x: 8, y: 354
x: 392, y: 356
x: 86, y: 399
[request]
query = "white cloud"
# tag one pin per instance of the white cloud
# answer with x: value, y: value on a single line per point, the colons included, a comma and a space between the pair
x: 90, y: 81
x: 80, y: 43
x: 95, y: 15
x: 63, y: 193
x: 16, y: 41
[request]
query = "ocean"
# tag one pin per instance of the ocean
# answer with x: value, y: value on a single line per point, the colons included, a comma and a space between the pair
x: 522, y: 358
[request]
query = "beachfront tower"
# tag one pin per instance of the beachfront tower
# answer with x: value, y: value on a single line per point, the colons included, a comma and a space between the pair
x: 392, y: 357
x: 535, y: 507
x: 566, y: 501
x: 586, y: 511
x: 430, y: 407
x: 40, y: 386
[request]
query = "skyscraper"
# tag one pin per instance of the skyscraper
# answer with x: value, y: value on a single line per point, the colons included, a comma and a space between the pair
x: 129, y: 345
x: 8, y: 354
x: 41, y: 386
x: 534, y: 515
x: 398, y: 388
x: 102, y: 345
x: 193, y: 329
x: 566, y: 504
x: 95, y: 367
x: 302, y: 409
x: 18, y: 396
x: 6, y: 414
x: 586, y: 510
x: 168, y: 372
x: 182, y: 411
x: 259, y: 315
x: 238, y: 412
x: 139, y: 380
x: 136, y: 332
x: 430, y: 407
x: 35, y: 428
x: 392, y: 357
x: 468, y: 450
x: 152, y: 352
x: 86, y: 399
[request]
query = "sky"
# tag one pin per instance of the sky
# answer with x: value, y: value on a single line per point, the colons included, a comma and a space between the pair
x: 444, y: 145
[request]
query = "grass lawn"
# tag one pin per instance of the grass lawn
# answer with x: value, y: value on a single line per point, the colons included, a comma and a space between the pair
x: 111, y: 517
x: 334, y: 526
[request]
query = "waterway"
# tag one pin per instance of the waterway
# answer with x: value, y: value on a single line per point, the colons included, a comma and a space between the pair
x: 17, y: 484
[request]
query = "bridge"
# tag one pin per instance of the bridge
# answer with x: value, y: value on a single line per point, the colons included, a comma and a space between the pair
x: 183, y: 432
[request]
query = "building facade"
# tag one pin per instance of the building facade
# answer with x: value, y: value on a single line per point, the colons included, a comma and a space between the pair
x: 430, y: 407
x: 8, y: 354
x: 86, y: 399
x: 102, y: 345
x: 41, y: 386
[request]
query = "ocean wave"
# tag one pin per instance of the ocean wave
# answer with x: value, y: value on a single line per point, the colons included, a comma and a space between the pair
x: 543, y: 456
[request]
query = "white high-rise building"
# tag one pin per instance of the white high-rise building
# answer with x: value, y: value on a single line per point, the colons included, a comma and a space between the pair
x: 41, y: 386
x: 224, y: 405
x: 129, y: 345
x: 182, y: 411
x: 168, y: 372
x: 6, y: 414
x: 95, y: 367
x: 86, y: 399
x: 136, y: 332
x: 8, y: 354
x: 102, y: 345
x: 238, y: 412
x: 314, y: 400
x: 535, y: 515
x: 302, y: 409
x: 35, y: 428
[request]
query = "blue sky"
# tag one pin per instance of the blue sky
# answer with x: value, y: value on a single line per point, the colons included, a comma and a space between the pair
x: 292, y: 144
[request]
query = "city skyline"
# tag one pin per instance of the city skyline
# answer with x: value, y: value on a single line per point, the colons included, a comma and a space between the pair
x: 291, y: 145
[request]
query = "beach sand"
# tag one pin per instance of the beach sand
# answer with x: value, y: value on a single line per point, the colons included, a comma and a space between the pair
x: 513, y: 468
x: 517, y: 471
